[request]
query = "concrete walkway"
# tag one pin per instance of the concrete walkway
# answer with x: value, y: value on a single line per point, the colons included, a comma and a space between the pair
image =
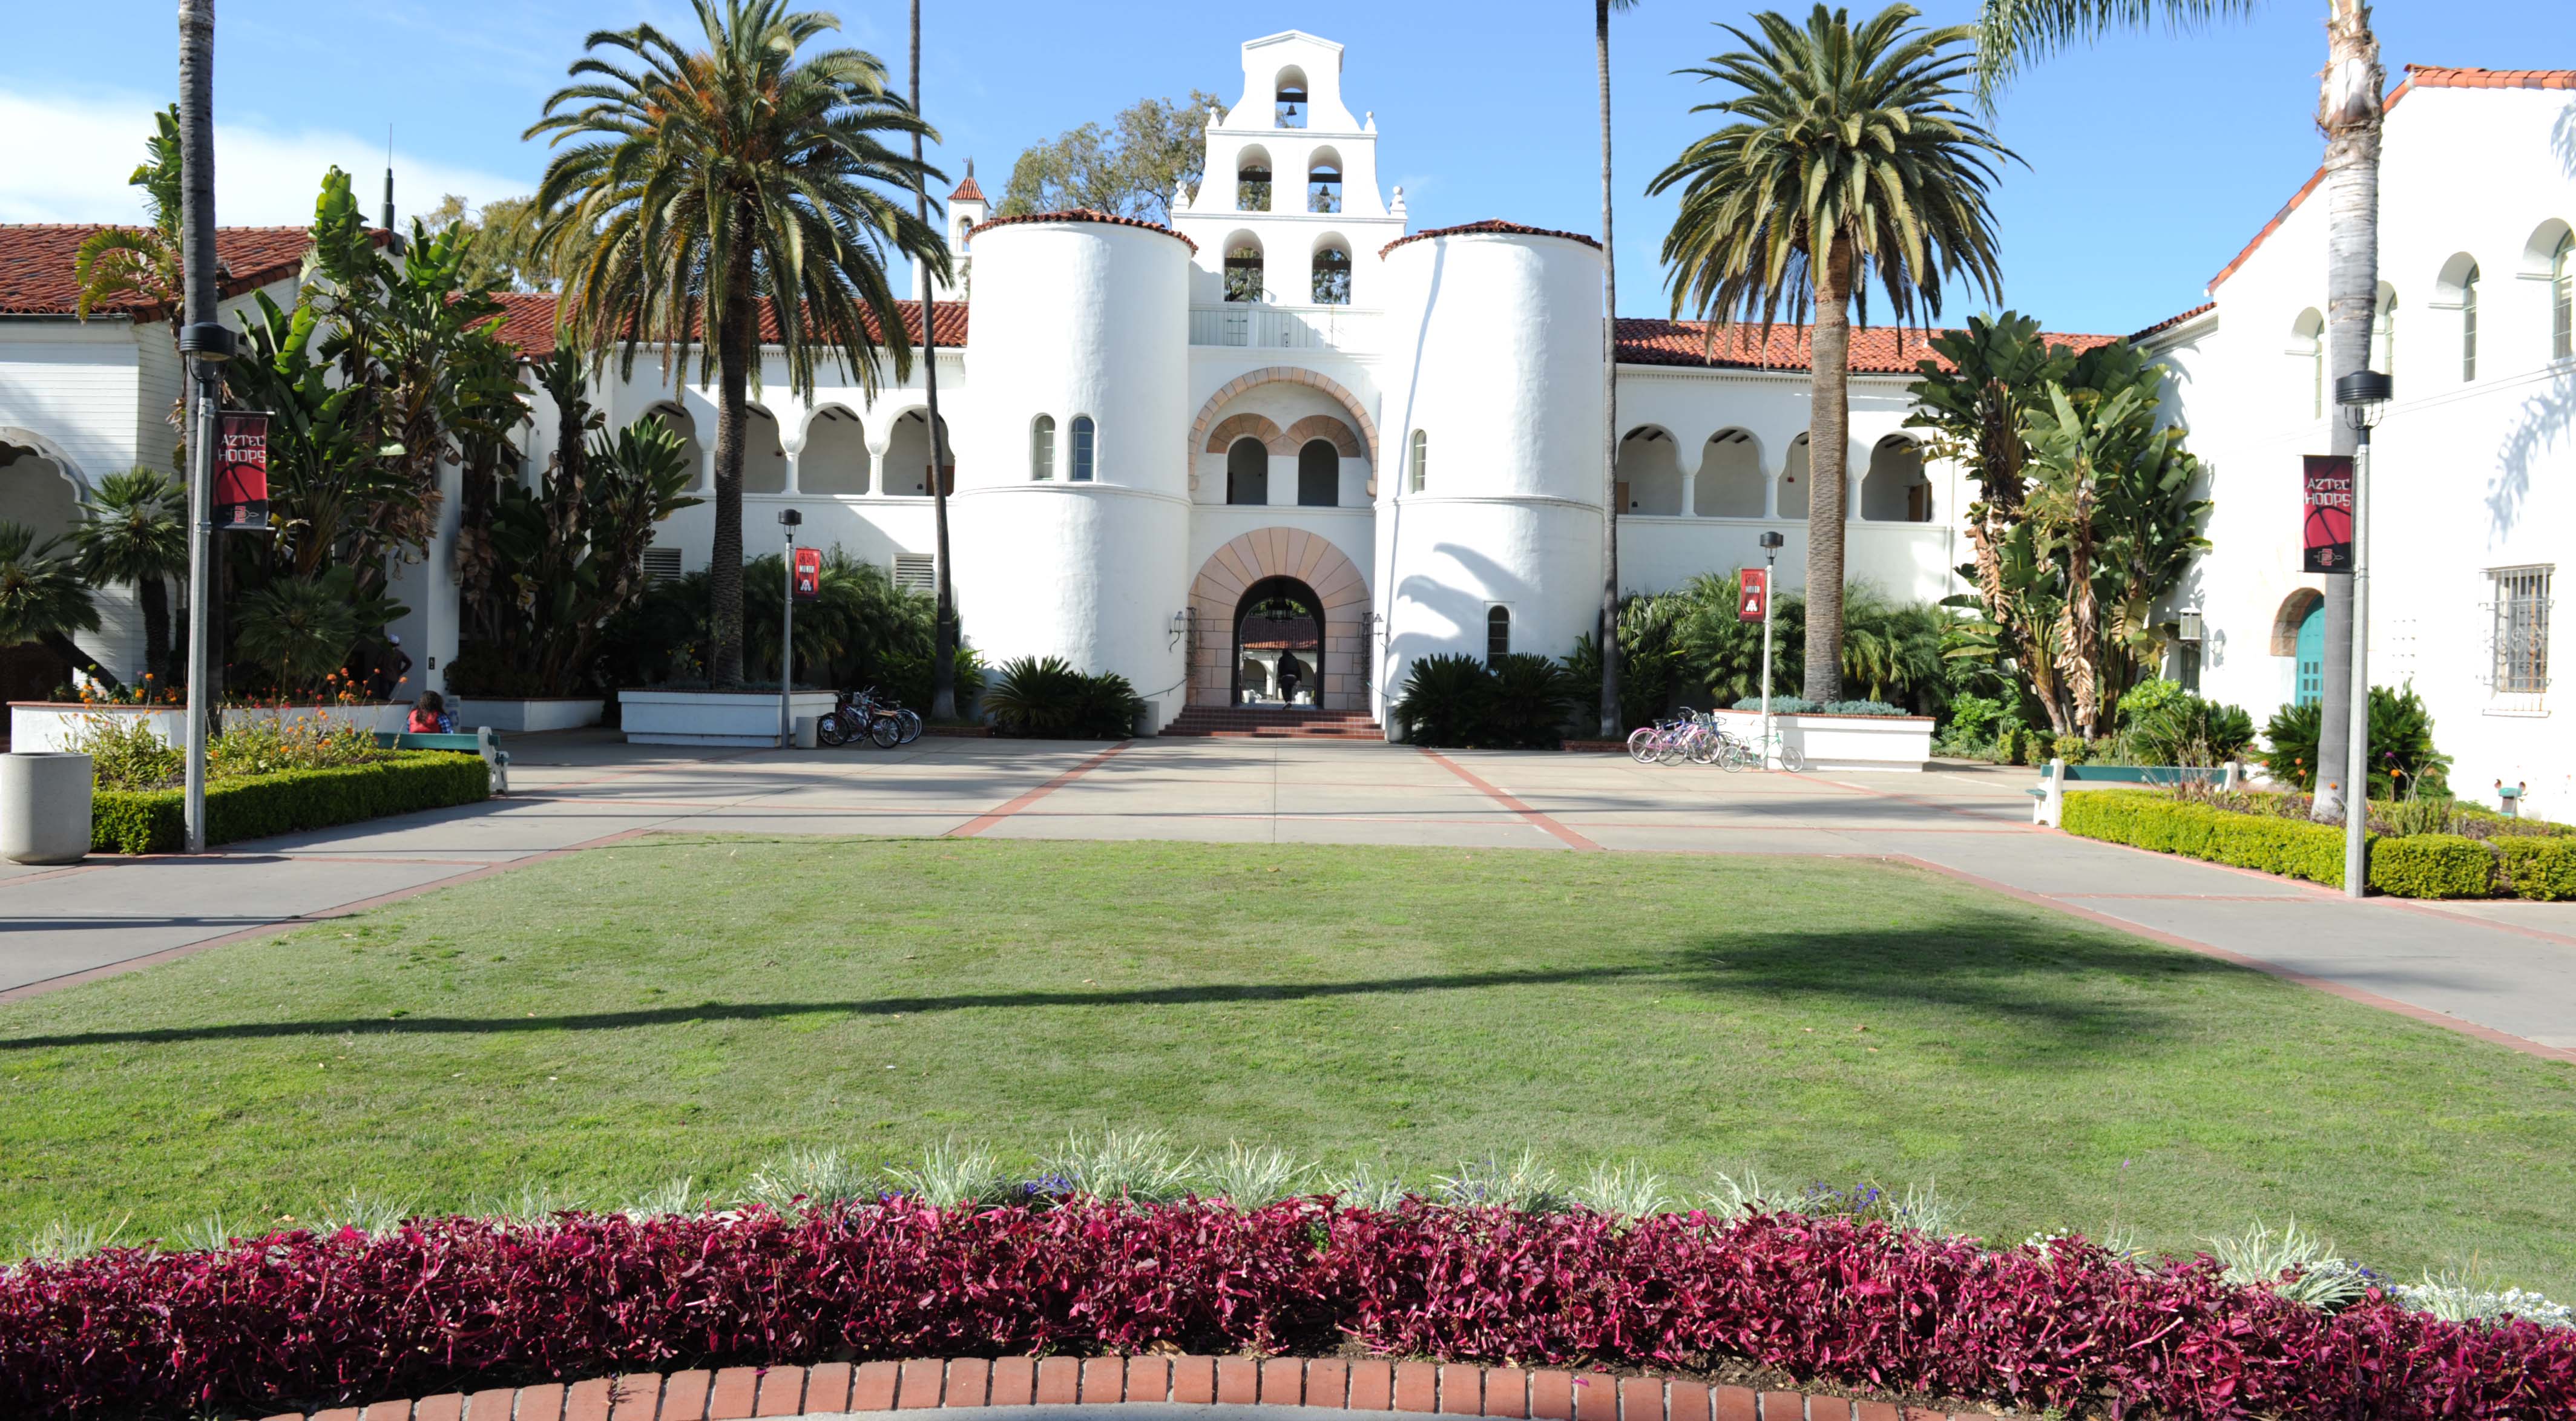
x: 2506, y: 971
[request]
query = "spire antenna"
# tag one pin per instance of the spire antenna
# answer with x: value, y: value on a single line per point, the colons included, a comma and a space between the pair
x: 389, y: 179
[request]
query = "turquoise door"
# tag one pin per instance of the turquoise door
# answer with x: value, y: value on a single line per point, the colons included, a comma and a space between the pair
x: 2312, y: 656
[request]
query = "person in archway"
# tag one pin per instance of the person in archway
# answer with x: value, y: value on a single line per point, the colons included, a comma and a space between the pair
x: 1291, y: 673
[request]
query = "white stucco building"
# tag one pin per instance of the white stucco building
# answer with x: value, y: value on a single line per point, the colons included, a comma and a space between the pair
x: 1286, y: 399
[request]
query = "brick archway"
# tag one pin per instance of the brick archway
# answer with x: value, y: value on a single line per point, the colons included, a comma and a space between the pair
x: 1279, y: 552
x: 1289, y: 374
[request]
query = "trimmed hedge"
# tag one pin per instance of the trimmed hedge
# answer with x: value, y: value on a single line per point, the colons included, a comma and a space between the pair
x: 2068, y: 1327
x: 256, y: 806
x: 2405, y: 866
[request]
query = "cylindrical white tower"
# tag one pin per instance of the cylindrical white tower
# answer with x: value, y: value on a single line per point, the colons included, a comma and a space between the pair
x: 1494, y: 494
x: 1072, y: 507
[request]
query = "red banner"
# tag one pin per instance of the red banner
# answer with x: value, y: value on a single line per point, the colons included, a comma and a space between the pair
x: 2325, y: 522
x: 809, y: 574
x: 241, y: 471
x: 1753, y: 599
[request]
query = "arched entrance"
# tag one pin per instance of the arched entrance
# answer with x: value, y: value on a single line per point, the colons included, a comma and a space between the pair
x: 1279, y: 644
x: 1264, y: 586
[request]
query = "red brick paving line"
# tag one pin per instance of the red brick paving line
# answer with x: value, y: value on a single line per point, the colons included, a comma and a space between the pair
x: 991, y: 817
x: 1423, y: 1388
x: 1534, y: 818
x: 2332, y: 988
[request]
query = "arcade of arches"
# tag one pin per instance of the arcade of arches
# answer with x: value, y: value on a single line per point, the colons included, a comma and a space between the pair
x: 1269, y: 596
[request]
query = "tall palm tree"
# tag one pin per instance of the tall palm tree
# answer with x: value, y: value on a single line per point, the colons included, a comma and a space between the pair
x: 199, y: 296
x: 137, y: 532
x: 943, y: 627
x: 1608, y: 632
x: 725, y: 184
x: 1847, y: 157
x: 2350, y: 109
x: 42, y: 599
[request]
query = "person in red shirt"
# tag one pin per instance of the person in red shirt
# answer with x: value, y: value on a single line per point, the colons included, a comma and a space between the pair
x: 428, y: 715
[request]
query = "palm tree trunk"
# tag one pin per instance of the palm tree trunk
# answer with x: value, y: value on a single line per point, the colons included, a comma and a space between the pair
x: 198, y: 290
x: 943, y: 627
x: 69, y: 650
x: 1611, y: 729
x: 733, y: 425
x: 1828, y: 441
x: 2349, y: 110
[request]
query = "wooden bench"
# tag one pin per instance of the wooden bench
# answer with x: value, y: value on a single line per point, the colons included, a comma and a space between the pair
x: 483, y: 741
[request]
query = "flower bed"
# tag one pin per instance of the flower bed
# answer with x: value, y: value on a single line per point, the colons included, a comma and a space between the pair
x: 256, y: 806
x: 461, y: 1302
x: 2528, y: 865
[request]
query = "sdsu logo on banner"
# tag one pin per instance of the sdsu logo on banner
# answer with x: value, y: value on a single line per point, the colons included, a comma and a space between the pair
x: 241, y: 471
x: 1753, y: 600
x: 2325, y: 523
x: 809, y: 574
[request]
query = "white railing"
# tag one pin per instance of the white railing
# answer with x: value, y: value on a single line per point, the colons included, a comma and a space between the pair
x: 1266, y: 327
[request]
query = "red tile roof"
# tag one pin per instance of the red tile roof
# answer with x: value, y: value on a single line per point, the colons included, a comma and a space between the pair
x: 1493, y: 225
x: 969, y: 190
x: 2418, y: 76
x: 36, y: 264
x: 1875, y: 350
x: 2169, y: 322
x: 528, y: 322
x: 1080, y: 214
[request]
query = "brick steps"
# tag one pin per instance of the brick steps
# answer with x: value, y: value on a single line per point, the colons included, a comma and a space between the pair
x: 1274, y: 723
x: 1366, y: 1384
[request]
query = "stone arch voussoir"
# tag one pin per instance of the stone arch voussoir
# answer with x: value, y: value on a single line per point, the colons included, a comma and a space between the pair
x: 1262, y: 553
x: 1200, y: 438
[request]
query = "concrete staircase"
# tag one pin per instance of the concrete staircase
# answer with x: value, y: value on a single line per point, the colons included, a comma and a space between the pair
x: 1275, y: 723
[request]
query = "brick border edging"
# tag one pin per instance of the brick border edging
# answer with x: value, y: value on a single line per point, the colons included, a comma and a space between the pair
x: 740, y: 1393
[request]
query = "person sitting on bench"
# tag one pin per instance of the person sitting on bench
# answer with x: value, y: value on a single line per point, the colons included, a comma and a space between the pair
x: 429, y: 716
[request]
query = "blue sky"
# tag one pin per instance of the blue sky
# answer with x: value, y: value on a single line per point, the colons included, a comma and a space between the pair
x: 2152, y: 159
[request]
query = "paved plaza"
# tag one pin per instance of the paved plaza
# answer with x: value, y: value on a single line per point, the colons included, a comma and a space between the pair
x: 2506, y: 971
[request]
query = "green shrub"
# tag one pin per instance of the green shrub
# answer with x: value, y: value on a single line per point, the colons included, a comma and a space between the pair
x: 1448, y: 700
x: 2403, y: 758
x: 2148, y: 820
x: 2432, y: 866
x: 126, y: 753
x: 256, y: 806
x: 1045, y: 698
x: 1532, y: 695
x: 2536, y: 866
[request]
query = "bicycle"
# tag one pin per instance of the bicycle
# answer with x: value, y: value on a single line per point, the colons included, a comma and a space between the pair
x: 859, y: 713
x: 1747, y: 754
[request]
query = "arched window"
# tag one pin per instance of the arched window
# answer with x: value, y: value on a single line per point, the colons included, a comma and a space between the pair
x: 1252, y: 181
x: 1319, y: 474
x: 2308, y: 351
x: 1332, y: 280
x: 1042, y: 449
x: 2562, y: 298
x: 1421, y: 458
x: 1324, y: 181
x: 1291, y: 109
x: 2469, y: 325
x: 1247, y: 472
x: 1082, y: 448
x: 1498, y: 634
x: 1243, y: 272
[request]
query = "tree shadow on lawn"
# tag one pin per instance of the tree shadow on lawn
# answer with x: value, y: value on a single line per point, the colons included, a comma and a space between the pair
x: 2042, y: 980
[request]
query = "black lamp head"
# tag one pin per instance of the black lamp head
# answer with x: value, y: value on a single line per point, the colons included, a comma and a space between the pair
x: 1774, y: 541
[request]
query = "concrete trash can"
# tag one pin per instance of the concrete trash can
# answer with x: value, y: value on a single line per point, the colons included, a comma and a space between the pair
x: 806, y: 735
x: 44, y: 807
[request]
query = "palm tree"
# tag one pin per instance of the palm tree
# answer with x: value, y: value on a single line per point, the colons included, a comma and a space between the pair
x: 1847, y: 156
x: 723, y: 185
x: 114, y: 261
x: 943, y: 636
x: 198, y: 298
x: 2350, y: 109
x: 137, y: 532
x: 1611, y: 729
x: 42, y: 599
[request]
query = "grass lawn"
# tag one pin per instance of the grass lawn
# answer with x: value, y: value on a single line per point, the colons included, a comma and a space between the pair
x: 669, y: 1007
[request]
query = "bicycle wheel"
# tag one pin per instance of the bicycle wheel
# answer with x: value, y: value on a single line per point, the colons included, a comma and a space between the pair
x: 1734, y: 755
x: 910, y: 726
x: 830, y: 731
x: 1706, y: 746
x: 884, y: 730
x: 1791, y: 760
x: 1641, y: 745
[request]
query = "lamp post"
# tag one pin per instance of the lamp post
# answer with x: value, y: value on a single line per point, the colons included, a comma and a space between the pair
x: 205, y: 346
x: 1771, y: 545
x: 789, y: 519
x: 2363, y: 397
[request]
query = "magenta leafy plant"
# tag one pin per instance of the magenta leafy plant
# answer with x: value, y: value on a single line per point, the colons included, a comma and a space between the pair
x: 313, y: 1318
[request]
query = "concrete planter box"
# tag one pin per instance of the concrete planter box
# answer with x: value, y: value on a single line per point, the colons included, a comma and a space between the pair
x: 1847, y: 742
x: 51, y: 725
x: 527, y: 716
x: 736, y: 719
x: 44, y: 807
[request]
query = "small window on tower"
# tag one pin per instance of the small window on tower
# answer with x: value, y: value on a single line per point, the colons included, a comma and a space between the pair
x: 1498, y: 634
x: 1243, y: 273
x: 1332, y: 277
x: 1291, y: 111
x: 1042, y: 449
x: 1324, y: 183
x: 1252, y: 181
x: 1421, y: 458
x: 1083, y: 434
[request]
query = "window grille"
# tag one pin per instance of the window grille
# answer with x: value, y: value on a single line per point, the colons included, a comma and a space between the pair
x: 1421, y: 457
x: 1083, y: 433
x: 1042, y: 449
x: 916, y: 572
x: 2521, y: 630
x: 661, y: 564
x: 2469, y: 326
x: 1498, y: 634
x: 2562, y: 298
